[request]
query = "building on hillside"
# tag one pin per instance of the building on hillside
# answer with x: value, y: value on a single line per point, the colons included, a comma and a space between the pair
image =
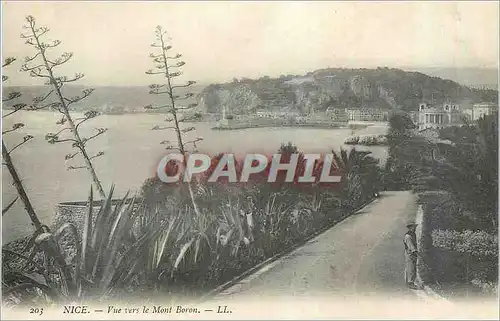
x: 275, y: 114
x: 320, y: 118
x: 439, y: 116
x: 221, y: 116
x: 337, y: 114
x: 367, y: 114
x: 483, y: 109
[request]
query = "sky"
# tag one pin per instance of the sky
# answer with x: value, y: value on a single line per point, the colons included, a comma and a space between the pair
x: 222, y: 40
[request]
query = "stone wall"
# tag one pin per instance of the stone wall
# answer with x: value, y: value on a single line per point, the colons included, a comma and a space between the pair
x: 67, y: 212
x: 75, y: 212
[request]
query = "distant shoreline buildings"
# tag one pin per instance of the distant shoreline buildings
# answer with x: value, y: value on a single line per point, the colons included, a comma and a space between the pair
x: 329, y: 116
x: 368, y: 114
x: 427, y: 116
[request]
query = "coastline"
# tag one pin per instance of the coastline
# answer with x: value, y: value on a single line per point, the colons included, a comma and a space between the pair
x: 312, y: 126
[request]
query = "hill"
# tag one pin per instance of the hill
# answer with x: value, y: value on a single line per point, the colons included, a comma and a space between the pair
x: 384, y: 88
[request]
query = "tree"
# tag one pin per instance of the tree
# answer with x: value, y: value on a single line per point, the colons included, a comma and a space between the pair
x: 41, y: 65
x: 168, y: 66
x: 405, y: 152
x: 6, y: 154
x: 360, y: 173
x: 401, y: 126
x: 348, y: 98
x: 468, y: 170
x: 288, y: 148
x: 464, y: 215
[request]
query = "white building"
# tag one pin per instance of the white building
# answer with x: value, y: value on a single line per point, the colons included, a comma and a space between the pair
x: 439, y: 116
x: 337, y: 114
x: 277, y: 114
x: 367, y: 114
x: 483, y: 109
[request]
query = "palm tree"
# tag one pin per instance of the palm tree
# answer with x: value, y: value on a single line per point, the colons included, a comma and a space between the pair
x: 403, y: 148
x: 361, y: 174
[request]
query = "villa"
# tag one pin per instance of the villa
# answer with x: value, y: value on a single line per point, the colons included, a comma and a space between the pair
x: 367, y: 114
x: 439, y: 116
x: 337, y: 114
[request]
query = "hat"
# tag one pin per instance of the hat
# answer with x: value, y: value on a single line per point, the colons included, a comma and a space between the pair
x: 410, y: 224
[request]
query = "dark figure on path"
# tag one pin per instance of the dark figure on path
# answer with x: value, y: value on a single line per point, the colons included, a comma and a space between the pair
x: 411, y: 253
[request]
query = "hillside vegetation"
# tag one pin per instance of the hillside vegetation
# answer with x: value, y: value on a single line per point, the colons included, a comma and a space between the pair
x: 354, y: 88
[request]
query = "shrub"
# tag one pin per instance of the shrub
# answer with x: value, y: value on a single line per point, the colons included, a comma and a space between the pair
x: 367, y: 140
x: 382, y: 140
x: 476, y: 243
x: 353, y: 140
x: 487, y: 287
x: 240, y: 226
x: 469, y: 257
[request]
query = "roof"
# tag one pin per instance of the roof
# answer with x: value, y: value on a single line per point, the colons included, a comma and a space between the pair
x: 434, y: 110
x: 485, y: 104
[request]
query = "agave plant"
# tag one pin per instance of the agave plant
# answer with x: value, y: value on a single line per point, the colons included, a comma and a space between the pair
x: 159, y: 248
x: 194, y: 235
x: 106, y: 258
x: 235, y: 226
x: 276, y: 213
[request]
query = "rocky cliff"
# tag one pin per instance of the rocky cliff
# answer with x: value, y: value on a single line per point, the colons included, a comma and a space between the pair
x: 353, y: 88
